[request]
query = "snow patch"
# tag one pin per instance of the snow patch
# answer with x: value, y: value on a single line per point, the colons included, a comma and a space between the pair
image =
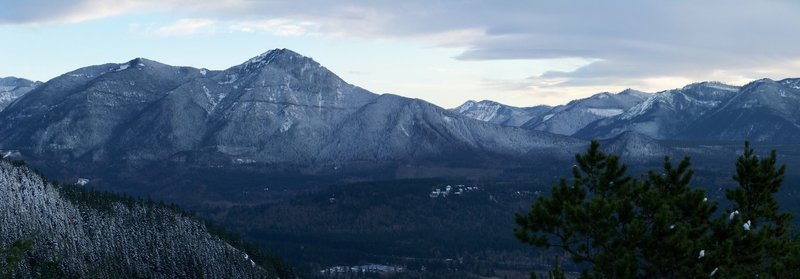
x: 547, y: 117
x: 483, y: 111
x: 231, y: 79
x: 11, y: 153
x: 733, y: 214
x: 243, y: 161
x: 203, y: 72
x: 605, y: 112
x: 723, y: 87
x: 123, y: 67
x: 405, y: 132
x: 82, y: 181
x: 287, y: 124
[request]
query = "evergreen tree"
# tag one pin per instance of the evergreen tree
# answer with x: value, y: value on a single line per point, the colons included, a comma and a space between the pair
x: 754, y: 232
x: 13, y: 255
x: 659, y: 227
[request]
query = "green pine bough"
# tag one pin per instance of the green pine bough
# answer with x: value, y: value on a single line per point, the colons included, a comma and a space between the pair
x: 616, y: 226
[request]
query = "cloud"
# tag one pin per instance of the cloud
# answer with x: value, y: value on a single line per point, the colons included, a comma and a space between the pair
x: 44, y: 12
x: 186, y: 27
x: 280, y: 27
x: 632, y: 43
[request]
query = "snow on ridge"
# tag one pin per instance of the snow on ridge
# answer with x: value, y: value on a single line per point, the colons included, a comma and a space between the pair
x: 483, y: 110
x: 641, y: 108
x: 605, y: 112
x: 465, y: 106
x: 231, y: 79
x: 122, y: 67
x: 722, y: 86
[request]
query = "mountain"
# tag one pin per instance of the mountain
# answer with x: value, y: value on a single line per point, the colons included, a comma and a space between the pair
x: 575, y: 115
x: 61, y: 231
x: 497, y: 113
x: 12, y: 88
x: 148, y: 125
x: 664, y: 115
x: 762, y: 111
x: 279, y: 107
x: 636, y: 147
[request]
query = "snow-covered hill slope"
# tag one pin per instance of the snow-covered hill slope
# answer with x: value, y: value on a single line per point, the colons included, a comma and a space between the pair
x: 83, y: 234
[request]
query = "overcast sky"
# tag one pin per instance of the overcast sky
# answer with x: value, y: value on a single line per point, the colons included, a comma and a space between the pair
x: 521, y: 53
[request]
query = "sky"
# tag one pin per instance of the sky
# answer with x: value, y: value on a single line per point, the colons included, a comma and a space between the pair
x: 521, y: 53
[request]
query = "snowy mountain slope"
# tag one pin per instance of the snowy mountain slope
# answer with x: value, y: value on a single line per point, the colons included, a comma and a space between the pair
x: 89, y: 237
x: 12, y: 88
x: 497, y: 113
x: 636, y: 147
x: 78, y: 113
x: 277, y: 108
x: 665, y: 114
x: 762, y: 111
x: 394, y: 125
x: 570, y: 118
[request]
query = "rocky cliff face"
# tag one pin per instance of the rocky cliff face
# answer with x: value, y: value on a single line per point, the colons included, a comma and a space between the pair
x: 89, y: 235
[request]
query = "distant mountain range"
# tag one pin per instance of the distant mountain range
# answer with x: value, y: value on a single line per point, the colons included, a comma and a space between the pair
x: 760, y: 111
x: 278, y: 107
x: 284, y: 114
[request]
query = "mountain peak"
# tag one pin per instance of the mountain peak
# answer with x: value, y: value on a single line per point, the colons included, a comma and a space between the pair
x: 273, y: 53
x: 279, y: 56
x: 712, y: 85
x: 633, y: 92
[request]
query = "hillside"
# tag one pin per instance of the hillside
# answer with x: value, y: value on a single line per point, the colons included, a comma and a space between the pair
x: 79, y: 233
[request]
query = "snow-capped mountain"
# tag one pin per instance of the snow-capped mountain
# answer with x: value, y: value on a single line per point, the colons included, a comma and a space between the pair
x: 665, y: 114
x: 497, y: 113
x: 277, y: 108
x: 575, y: 115
x: 761, y: 111
x: 11, y: 88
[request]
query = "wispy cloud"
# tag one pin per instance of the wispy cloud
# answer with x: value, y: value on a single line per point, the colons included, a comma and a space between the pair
x: 186, y: 27
x: 632, y: 43
x: 280, y: 27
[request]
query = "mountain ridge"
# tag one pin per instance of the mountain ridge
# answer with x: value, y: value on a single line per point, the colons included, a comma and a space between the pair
x: 276, y: 112
x: 11, y: 88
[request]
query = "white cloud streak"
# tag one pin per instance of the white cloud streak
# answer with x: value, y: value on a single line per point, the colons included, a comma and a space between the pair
x: 187, y: 27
